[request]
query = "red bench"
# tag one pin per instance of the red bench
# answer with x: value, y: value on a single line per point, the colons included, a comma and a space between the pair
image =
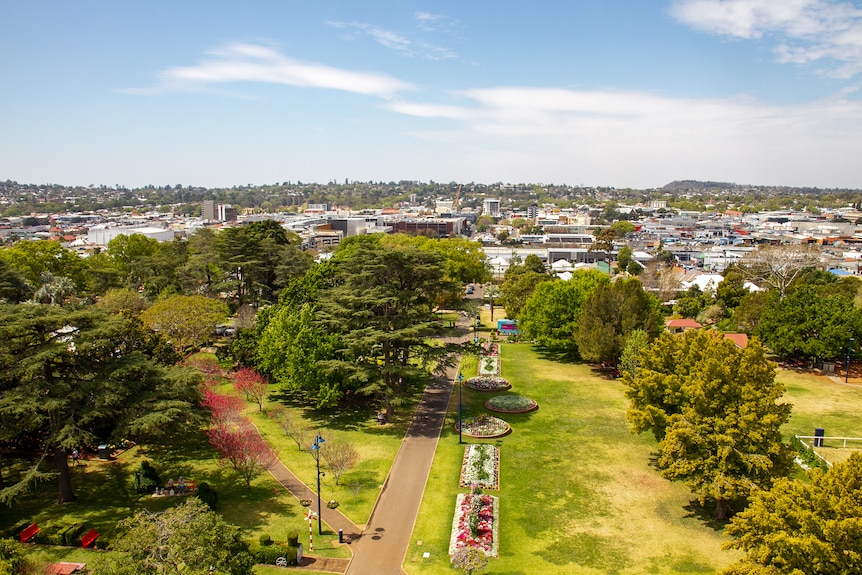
x: 89, y: 538
x: 30, y: 533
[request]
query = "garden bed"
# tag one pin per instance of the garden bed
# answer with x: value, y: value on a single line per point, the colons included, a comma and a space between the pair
x: 511, y: 404
x: 484, y: 427
x: 488, y: 383
x: 475, y: 523
x: 489, y: 365
x: 481, y: 466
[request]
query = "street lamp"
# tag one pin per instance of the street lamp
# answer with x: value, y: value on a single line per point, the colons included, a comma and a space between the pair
x: 315, y: 448
x: 847, y: 361
x: 475, y: 328
x: 460, y: 406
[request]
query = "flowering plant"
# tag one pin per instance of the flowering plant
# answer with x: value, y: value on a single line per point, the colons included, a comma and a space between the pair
x: 488, y: 383
x: 480, y: 467
x: 475, y: 523
x: 489, y: 365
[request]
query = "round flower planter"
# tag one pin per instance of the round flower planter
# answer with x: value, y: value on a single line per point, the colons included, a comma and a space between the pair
x: 511, y: 404
x: 488, y: 383
x: 484, y: 427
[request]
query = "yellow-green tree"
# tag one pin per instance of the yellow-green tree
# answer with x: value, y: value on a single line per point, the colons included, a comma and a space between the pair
x: 799, y: 527
x: 186, y: 320
x: 716, y: 412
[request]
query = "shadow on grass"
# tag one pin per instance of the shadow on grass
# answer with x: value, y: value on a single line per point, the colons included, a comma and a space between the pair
x: 705, y: 513
x: 557, y: 356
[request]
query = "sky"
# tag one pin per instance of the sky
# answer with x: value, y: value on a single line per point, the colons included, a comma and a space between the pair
x: 621, y: 93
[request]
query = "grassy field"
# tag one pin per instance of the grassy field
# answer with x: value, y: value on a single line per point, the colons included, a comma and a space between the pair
x: 818, y: 401
x: 578, y: 495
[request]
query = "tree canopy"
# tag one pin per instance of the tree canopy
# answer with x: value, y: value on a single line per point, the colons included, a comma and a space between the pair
x: 801, y: 527
x: 71, y: 378
x: 715, y: 410
x: 551, y: 313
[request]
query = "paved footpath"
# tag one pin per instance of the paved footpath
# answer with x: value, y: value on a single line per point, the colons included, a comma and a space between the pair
x: 380, y: 548
x: 386, y: 537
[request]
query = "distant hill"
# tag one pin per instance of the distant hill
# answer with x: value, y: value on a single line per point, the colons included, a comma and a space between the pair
x: 696, y: 186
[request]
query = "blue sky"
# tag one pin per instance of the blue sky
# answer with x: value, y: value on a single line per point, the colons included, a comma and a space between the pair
x: 623, y: 93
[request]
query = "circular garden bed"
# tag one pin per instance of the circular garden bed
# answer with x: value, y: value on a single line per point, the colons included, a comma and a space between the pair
x: 511, y: 404
x: 484, y: 427
x: 488, y: 383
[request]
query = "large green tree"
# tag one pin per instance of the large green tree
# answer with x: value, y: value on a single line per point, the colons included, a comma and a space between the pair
x: 551, y: 313
x: 382, y: 308
x: 810, y: 322
x: 716, y: 412
x: 803, y: 527
x: 186, y: 539
x: 610, y: 313
x: 33, y: 258
x: 517, y: 288
x: 71, y: 378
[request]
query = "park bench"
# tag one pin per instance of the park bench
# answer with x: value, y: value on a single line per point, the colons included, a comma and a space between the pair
x: 30, y: 533
x: 89, y: 538
x: 191, y: 485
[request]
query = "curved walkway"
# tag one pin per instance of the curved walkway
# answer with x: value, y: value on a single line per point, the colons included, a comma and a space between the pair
x: 380, y: 548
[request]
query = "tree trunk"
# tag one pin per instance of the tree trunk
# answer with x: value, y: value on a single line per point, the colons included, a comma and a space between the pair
x: 721, y: 510
x: 64, y: 478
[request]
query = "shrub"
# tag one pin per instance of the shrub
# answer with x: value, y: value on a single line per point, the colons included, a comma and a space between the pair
x: 293, y: 539
x: 268, y: 554
x: 146, y: 478
x: 208, y: 495
x: 265, y: 540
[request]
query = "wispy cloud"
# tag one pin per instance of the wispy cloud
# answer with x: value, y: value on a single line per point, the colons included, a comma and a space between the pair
x: 239, y: 62
x: 654, y: 136
x: 431, y: 22
x: 808, y: 31
x: 413, y: 48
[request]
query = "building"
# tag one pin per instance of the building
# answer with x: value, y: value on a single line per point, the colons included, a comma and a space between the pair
x: 491, y: 207
x: 208, y: 210
x: 434, y: 227
x: 214, y: 212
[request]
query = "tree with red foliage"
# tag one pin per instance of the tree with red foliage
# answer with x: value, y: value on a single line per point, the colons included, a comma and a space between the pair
x: 224, y: 408
x: 241, y: 448
x: 251, y: 384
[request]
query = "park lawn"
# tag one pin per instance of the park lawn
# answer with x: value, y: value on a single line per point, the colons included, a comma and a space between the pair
x: 578, y: 494
x: 818, y: 401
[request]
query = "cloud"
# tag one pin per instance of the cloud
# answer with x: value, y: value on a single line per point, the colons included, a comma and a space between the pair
x: 399, y: 42
x: 239, y: 62
x: 808, y: 31
x: 645, y: 137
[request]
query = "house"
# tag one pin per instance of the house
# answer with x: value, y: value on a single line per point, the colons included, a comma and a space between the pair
x: 681, y: 325
x: 740, y: 339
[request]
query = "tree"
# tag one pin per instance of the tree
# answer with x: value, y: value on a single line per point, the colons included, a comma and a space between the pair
x: 610, y: 313
x: 731, y: 289
x: 636, y: 341
x: 292, y: 347
x: 71, y: 378
x: 715, y: 410
x: 188, y: 538
x: 33, y: 257
x: 803, y: 527
x: 339, y: 457
x: 517, y: 289
x: 624, y: 258
x: 293, y: 428
x: 778, y: 266
x: 252, y: 385
x: 551, y: 313
x: 241, y: 448
x: 13, y: 286
x: 809, y: 322
x: 123, y: 300
x: 187, y: 320
x: 383, y: 311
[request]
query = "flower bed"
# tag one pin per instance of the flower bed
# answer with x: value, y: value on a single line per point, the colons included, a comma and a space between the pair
x: 475, y: 523
x: 488, y: 383
x: 481, y: 466
x: 489, y: 365
x: 492, y: 348
x: 511, y: 404
x: 484, y: 426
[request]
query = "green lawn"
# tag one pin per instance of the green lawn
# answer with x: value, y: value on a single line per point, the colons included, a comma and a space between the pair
x: 578, y: 494
x: 820, y: 402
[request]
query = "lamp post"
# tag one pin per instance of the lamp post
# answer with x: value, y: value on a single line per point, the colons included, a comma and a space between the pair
x: 847, y: 361
x: 460, y: 406
x: 475, y: 328
x: 315, y: 447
